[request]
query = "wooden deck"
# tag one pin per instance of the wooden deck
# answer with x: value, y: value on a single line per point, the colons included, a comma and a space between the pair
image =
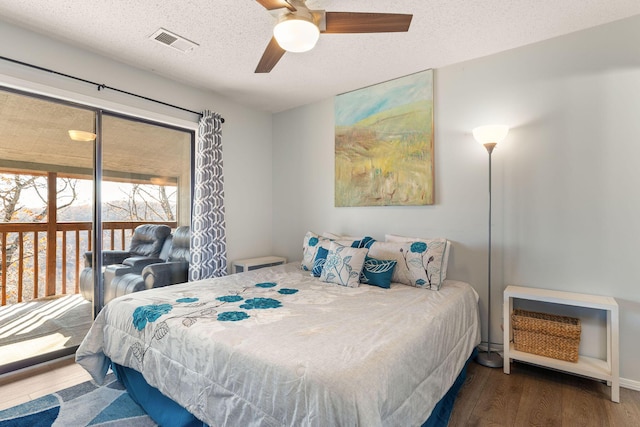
x: 41, y: 326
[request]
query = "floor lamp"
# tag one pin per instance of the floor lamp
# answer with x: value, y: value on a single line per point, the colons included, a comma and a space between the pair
x: 490, y: 136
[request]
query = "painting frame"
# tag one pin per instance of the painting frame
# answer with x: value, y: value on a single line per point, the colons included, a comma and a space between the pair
x: 384, y: 144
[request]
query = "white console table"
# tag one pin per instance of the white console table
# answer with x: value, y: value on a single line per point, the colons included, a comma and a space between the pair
x: 248, y: 264
x: 607, y: 370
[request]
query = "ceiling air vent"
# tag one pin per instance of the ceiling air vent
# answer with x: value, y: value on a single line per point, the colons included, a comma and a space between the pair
x: 173, y: 40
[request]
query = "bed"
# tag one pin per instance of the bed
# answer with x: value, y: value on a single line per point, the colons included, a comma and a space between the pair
x: 279, y: 347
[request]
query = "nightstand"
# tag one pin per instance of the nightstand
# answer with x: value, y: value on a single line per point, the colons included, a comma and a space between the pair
x: 603, y: 369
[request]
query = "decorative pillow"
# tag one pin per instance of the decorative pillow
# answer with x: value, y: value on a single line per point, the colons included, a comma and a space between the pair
x: 396, y: 238
x: 312, y: 242
x: 356, y: 242
x: 310, y: 246
x: 318, y: 263
x: 420, y: 263
x: 377, y: 272
x: 366, y: 242
x: 343, y: 265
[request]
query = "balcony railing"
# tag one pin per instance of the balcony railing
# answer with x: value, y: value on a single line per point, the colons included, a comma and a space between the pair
x: 34, y: 265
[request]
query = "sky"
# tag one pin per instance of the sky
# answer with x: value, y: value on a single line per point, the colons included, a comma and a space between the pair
x: 352, y: 107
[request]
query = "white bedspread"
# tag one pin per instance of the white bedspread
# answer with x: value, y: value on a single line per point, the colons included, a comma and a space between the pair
x: 292, y: 352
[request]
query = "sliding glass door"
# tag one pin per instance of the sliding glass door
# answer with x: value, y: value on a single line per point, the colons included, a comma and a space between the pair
x: 63, y: 167
x: 146, y: 180
x: 45, y: 227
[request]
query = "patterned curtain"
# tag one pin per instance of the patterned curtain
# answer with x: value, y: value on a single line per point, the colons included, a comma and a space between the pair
x: 208, y: 238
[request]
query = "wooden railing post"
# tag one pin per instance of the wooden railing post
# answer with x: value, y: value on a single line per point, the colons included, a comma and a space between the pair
x: 52, y: 220
x: 36, y: 264
x: 4, y: 268
x: 77, y: 287
x: 20, y: 264
x: 64, y: 262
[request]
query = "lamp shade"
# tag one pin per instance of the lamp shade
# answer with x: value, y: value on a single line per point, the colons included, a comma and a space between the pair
x: 296, y: 33
x: 491, y: 133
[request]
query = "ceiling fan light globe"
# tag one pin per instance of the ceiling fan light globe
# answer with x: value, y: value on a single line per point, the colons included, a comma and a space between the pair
x: 296, y: 34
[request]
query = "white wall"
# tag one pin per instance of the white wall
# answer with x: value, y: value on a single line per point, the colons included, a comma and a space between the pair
x: 245, y: 134
x: 565, y: 183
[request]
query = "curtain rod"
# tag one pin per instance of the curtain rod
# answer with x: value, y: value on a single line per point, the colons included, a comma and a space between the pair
x: 101, y: 86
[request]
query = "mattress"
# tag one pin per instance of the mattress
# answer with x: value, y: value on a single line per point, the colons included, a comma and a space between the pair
x: 277, y: 347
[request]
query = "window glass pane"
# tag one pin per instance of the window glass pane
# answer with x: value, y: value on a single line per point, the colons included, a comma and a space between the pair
x: 139, y: 202
x: 146, y: 172
x: 46, y: 200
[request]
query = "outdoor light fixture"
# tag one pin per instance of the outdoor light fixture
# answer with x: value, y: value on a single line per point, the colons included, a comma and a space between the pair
x: 490, y: 136
x: 80, y: 135
x: 296, y: 33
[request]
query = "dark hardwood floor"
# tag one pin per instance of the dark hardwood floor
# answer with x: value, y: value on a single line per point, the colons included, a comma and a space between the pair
x: 529, y: 396
x: 534, y: 396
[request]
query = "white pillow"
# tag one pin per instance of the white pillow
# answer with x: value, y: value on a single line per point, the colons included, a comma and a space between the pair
x: 343, y: 265
x: 334, y: 236
x: 396, y: 238
x: 421, y: 263
x: 445, y: 259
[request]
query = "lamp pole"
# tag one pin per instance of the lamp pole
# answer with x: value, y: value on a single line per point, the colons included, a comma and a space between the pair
x: 488, y: 358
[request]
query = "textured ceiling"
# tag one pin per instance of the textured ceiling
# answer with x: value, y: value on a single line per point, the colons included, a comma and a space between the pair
x: 232, y: 35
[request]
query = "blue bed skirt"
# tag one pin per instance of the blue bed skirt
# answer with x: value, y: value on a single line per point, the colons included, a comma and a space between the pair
x: 442, y: 411
x: 166, y: 412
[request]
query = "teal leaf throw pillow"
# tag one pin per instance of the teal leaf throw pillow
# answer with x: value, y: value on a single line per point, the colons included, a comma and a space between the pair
x: 378, y: 272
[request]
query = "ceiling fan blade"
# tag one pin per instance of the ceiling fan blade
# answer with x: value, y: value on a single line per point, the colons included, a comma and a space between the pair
x: 270, y: 57
x: 276, y: 4
x: 354, y: 22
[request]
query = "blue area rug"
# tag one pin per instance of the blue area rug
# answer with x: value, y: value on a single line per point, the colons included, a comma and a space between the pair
x: 84, y: 404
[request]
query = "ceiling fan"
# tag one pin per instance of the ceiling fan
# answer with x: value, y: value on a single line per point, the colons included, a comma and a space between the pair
x: 298, y: 27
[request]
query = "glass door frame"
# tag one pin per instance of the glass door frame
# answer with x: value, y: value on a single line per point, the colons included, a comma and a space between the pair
x: 98, y: 282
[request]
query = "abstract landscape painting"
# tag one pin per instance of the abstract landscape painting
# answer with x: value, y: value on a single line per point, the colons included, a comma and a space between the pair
x: 384, y: 143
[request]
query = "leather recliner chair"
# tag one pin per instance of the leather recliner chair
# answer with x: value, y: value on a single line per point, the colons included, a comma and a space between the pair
x: 145, y: 247
x: 173, y: 268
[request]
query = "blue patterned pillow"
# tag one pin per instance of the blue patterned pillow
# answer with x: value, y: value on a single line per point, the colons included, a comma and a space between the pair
x: 318, y: 263
x: 365, y: 242
x: 343, y: 265
x: 312, y: 242
x: 378, y: 272
x: 354, y: 242
x: 310, y: 246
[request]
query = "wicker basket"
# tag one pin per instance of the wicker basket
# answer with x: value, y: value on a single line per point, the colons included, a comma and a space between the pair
x: 547, y: 335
